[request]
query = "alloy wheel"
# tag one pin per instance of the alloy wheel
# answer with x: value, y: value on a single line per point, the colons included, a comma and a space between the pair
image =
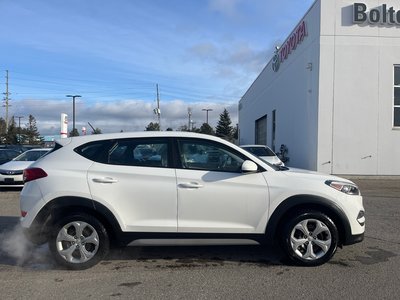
x: 77, y: 242
x: 310, y: 239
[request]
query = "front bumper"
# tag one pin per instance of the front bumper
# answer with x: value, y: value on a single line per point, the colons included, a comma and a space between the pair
x: 353, y: 239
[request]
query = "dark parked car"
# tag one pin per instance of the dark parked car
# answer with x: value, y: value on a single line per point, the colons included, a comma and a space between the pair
x: 7, y: 155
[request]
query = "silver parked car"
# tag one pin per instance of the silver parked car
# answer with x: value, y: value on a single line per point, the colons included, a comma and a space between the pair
x: 11, y: 173
x: 265, y: 153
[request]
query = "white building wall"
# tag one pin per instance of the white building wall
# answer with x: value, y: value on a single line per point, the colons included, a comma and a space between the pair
x: 293, y: 93
x: 363, y: 58
x: 336, y: 118
x: 388, y: 138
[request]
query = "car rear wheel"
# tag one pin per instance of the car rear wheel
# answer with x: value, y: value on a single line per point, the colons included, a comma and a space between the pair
x: 79, y: 241
x: 310, y: 238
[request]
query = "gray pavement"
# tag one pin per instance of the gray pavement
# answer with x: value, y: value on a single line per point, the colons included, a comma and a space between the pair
x: 369, y: 270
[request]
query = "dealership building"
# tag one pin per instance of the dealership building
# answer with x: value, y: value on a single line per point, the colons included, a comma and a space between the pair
x: 331, y: 93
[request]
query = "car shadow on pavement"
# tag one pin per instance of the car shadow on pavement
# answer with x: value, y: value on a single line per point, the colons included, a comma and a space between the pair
x: 174, y: 257
x: 17, y: 251
x: 7, y: 223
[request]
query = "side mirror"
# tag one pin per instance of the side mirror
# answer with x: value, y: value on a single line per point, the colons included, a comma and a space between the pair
x: 249, y: 166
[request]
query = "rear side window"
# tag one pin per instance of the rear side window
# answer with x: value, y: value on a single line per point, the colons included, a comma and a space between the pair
x: 96, y: 151
x: 140, y: 152
x: 128, y: 152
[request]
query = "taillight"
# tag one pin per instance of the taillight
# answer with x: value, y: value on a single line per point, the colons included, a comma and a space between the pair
x: 33, y: 174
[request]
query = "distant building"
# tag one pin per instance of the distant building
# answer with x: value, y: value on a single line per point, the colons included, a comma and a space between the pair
x: 331, y: 93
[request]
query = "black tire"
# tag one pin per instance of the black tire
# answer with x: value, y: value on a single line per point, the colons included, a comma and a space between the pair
x: 79, y: 241
x: 310, y: 238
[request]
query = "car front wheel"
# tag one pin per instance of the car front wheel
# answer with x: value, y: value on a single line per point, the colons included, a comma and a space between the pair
x: 310, y: 238
x: 79, y: 241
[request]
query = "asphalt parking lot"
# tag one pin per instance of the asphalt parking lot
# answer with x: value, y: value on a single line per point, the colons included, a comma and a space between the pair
x: 369, y: 270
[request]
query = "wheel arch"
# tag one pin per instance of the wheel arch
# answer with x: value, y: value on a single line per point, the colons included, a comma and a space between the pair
x: 63, y: 206
x: 293, y: 204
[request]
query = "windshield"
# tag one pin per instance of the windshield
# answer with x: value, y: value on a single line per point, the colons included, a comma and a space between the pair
x: 30, y: 155
x: 260, y: 151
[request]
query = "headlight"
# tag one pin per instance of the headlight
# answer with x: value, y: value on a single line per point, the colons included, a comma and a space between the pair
x: 344, y: 187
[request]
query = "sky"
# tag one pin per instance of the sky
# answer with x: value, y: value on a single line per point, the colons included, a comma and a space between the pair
x: 202, y: 54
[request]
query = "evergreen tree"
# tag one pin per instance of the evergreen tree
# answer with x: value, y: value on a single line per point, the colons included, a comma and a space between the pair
x: 3, y: 133
x: 183, y: 128
x: 31, y: 131
x: 153, y: 127
x: 195, y: 129
x: 12, y: 133
x: 224, y: 128
x: 236, y: 132
x: 207, y: 129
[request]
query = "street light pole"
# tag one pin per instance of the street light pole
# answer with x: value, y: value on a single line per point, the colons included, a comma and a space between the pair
x: 207, y: 110
x: 73, y: 110
x: 19, y: 128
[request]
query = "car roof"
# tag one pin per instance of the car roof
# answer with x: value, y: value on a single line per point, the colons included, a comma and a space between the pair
x: 137, y: 134
x: 39, y: 149
x: 260, y: 146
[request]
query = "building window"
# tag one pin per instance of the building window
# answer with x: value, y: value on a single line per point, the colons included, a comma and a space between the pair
x: 396, y: 97
x: 261, y: 131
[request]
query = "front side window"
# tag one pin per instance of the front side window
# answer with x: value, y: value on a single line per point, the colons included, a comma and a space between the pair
x: 205, y: 155
x: 396, y: 97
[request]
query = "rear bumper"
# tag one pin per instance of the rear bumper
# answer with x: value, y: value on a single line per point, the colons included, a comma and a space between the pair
x: 10, y: 182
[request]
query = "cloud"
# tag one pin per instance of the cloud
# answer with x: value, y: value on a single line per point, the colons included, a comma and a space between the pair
x: 204, y: 51
x: 202, y: 54
x: 126, y: 115
x: 225, y: 7
x: 231, y: 62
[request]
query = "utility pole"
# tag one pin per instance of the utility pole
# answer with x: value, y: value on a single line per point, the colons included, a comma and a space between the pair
x: 157, y: 111
x: 73, y: 110
x: 190, y: 117
x: 6, y: 99
x: 207, y: 110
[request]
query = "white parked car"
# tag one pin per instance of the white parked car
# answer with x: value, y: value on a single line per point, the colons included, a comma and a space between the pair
x: 265, y: 153
x: 11, y: 172
x: 187, y: 188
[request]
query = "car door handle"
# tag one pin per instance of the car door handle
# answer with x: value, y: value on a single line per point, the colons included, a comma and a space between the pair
x: 190, y: 185
x: 105, y: 180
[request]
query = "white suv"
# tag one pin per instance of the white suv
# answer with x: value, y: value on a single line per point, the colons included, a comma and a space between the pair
x: 181, y: 188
